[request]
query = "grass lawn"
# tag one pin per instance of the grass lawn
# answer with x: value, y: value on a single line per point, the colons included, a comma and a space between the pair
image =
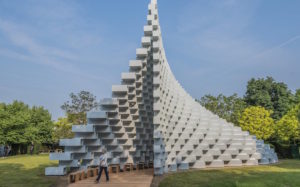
x: 25, y: 171
x: 284, y: 174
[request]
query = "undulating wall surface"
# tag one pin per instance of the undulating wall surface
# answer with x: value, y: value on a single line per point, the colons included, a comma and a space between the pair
x: 150, y: 118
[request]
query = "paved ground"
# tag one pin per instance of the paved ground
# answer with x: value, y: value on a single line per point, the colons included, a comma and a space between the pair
x: 142, y: 178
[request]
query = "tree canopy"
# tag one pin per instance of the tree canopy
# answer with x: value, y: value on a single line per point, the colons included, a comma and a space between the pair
x: 81, y: 103
x: 229, y: 108
x: 257, y: 120
x: 287, y: 128
x: 20, y: 124
x: 62, y: 129
x: 297, y: 96
x: 269, y: 94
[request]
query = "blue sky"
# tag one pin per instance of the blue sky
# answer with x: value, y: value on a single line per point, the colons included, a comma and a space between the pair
x: 53, y: 47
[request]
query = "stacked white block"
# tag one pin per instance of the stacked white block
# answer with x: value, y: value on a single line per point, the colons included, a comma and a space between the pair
x: 268, y: 155
x: 150, y: 117
x: 186, y: 135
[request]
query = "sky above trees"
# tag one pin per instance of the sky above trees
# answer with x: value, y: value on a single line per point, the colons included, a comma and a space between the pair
x: 49, y: 49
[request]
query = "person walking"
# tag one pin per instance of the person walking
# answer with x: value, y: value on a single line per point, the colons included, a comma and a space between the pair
x: 8, y: 150
x: 31, y: 148
x: 103, y: 166
x: 5, y: 150
x: 2, y: 150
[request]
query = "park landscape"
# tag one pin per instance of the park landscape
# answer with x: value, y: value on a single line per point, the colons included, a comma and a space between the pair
x: 28, y: 170
x: 263, y: 123
x: 22, y: 169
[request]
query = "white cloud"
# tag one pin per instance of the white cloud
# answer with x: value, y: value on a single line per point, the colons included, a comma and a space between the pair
x: 218, y: 43
x: 219, y: 33
x: 217, y: 30
x: 40, y: 53
x: 52, y: 33
x: 276, y: 47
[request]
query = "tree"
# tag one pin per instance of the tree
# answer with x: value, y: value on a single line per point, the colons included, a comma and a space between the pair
x: 41, y: 124
x: 21, y: 125
x: 257, y: 121
x: 270, y: 95
x: 78, y: 106
x: 14, y: 119
x: 297, y: 96
x: 287, y: 128
x: 229, y: 108
x: 62, y: 129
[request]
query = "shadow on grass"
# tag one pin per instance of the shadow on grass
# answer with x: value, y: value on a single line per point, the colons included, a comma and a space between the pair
x: 284, y: 174
x: 15, y: 175
x: 288, y: 164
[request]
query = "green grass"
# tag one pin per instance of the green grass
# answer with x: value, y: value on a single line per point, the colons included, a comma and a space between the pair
x: 284, y: 174
x: 25, y: 171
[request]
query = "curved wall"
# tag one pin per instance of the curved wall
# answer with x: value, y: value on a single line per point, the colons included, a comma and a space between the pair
x: 151, y: 118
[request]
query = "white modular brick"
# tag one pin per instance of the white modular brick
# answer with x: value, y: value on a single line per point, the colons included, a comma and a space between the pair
x: 150, y: 117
